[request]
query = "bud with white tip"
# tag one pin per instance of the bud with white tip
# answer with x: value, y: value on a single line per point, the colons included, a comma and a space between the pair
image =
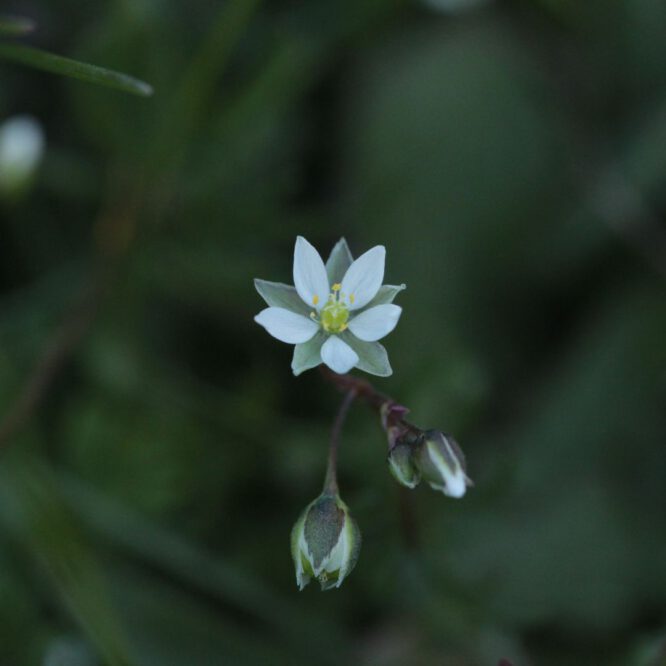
x: 325, y: 542
x: 442, y: 464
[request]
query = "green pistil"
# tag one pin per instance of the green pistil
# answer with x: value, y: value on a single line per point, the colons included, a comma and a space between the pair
x: 334, y: 316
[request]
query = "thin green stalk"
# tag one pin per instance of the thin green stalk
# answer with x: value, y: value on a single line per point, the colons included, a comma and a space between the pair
x: 331, y: 479
x: 56, y: 64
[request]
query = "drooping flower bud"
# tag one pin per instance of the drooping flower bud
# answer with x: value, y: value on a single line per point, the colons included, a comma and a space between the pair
x: 325, y: 542
x: 442, y: 464
x: 403, y: 450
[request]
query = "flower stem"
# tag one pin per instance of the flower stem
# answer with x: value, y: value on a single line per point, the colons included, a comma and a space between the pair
x: 375, y: 399
x: 331, y: 480
x: 392, y: 415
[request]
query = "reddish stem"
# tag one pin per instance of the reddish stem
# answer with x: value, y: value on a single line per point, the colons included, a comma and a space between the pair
x: 331, y: 480
x: 391, y: 410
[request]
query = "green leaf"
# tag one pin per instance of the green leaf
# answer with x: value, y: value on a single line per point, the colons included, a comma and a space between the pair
x: 386, y: 294
x: 339, y: 261
x: 33, y: 511
x: 15, y: 26
x: 280, y: 295
x: 56, y: 64
x: 373, y: 358
x: 308, y: 354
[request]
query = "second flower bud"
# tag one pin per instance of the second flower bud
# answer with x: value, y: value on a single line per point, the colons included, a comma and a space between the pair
x: 430, y: 455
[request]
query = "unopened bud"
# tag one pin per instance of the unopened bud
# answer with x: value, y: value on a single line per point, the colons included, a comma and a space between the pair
x: 402, y: 458
x: 325, y: 543
x: 442, y: 464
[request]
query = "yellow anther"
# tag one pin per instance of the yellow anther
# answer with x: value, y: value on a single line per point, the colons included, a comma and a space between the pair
x: 336, y: 287
x: 351, y: 298
x: 315, y: 299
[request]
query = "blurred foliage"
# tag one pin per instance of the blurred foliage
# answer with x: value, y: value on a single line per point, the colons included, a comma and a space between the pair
x: 511, y: 156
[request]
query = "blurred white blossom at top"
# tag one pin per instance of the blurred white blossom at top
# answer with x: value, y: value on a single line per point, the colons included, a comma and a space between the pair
x: 21, y: 150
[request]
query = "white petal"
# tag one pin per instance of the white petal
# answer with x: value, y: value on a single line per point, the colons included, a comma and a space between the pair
x: 302, y: 579
x: 340, y: 555
x: 297, y: 540
x: 310, y: 277
x: 338, y: 355
x: 364, y: 277
x: 303, y: 550
x: 346, y: 558
x: 454, y: 487
x: 287, y: 326
x: 375, y: 323
x: 454, y: 480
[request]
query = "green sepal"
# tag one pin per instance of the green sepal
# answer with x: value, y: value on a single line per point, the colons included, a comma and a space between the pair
x: 280, y: 295
x: 323, y: 523
x: 386, y: 294
x: 307, y: 355
x: 402, y: 465
x: 372, y: 356
x: 338, y: 262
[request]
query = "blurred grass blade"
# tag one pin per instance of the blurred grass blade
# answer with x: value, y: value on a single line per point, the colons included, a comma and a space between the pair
x: 15, y: 26
x: 32, y: 510
x: 170, y: 626
x: 200, y: 78
x: 186, y: 562
x: 210, y: 61
x: 56, y: 64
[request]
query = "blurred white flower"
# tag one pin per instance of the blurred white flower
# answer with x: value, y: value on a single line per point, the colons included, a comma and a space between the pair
x: 335, y: 313
x: 21, y: 150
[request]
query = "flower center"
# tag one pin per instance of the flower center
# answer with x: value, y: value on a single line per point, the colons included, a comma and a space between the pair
x: 335, y: 314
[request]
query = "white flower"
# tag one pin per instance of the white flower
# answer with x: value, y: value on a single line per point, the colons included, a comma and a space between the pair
x: 336, y: 313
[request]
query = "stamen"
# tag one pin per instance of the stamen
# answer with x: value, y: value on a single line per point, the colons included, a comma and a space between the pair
x: 315, y: 299
x: 336, y: 287
x: 351, y: 298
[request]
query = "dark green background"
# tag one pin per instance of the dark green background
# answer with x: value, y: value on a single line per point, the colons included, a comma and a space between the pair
x: 512, y: 159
